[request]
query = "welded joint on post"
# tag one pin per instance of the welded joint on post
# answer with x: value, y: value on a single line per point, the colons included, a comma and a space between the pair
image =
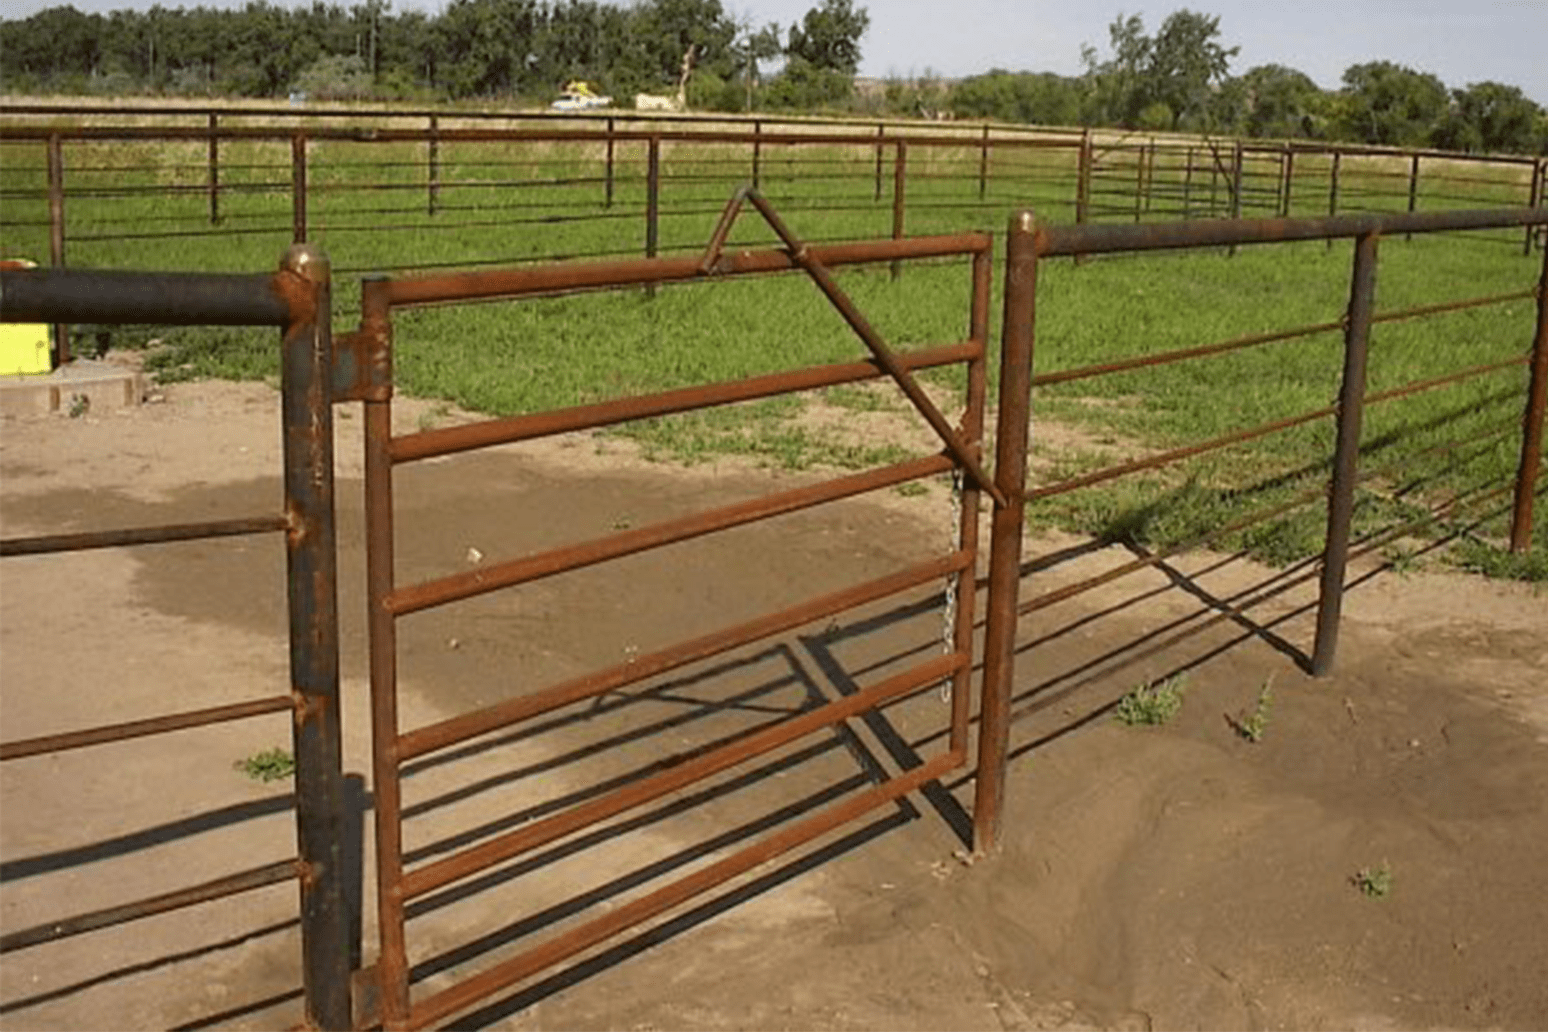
x: 307, y: 706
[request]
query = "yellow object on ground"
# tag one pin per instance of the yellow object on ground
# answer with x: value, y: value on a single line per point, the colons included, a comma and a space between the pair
x: 23, y: 346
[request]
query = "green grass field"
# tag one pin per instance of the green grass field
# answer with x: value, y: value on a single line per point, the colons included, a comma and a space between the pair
x: 500, y: 203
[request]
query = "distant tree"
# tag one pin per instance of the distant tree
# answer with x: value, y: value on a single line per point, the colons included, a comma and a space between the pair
x: 1388, y: 104
x: 1282, y: 103
x: 1489, y: 116
x: 828, y: 37
x: 1037, y: 98
x: 1179, y: 69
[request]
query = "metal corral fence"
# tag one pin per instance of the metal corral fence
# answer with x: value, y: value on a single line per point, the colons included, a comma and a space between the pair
x: 297, y: 300
x: 417, y: 189
x: 359, y: 367
x: 1029, y: 242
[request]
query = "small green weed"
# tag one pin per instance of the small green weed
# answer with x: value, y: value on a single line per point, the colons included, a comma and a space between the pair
x: 1374, y: 882
x: 1255, y: 726
x: 912, y: 489
x: 1150, y: 704
x: 270, y: 765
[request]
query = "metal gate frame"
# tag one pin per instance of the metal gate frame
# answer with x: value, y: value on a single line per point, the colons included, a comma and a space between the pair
x: 297, y: 300
x: 388, y: 980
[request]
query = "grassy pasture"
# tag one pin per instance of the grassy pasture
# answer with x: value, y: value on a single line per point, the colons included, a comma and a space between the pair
x: 146, y: 205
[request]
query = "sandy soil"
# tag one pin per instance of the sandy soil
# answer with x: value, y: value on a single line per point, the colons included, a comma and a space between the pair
x: 1172, y: 877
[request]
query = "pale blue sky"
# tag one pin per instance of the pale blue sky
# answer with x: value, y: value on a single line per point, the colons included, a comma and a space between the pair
x: 1462, y: 41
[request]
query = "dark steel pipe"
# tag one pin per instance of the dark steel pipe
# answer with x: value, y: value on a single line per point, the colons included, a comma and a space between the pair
x: 1009, y: 522
x: 450, y: 440
x: 1413, y: 189
x: 472, y: 583
x: 1062, y: 240
x: 512, y: 283
x: 1532, y: 425
x: 140, y: 728
x: 607, y: 188
x: 1341, y: 488
x: 462, y: 727
x: 1166, y: 357
x: 652, y: 196
x: 459, y: 997
x: 45, y: 544
x: 177, y: 299
x: 246, y: 881
x: 685, y: 772
x: 899, y: 195
x: 983, y: 163
x: 306, y: 403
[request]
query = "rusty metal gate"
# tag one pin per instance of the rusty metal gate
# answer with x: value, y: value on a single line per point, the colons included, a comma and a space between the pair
x: 399, y: 884
x: 296, y: 300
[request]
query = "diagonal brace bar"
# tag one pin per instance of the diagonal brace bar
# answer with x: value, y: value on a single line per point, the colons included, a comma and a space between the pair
x: 820, y: 275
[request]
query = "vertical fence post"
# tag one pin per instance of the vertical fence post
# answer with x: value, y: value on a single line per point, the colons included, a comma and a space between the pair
x: 214, y: 173
x: 392, y: 960
x: 880, y: 130
x: 1333, y: 190
x: 312, y: 582
x: 1010, y: 474
x: 1413, y: 190
x: 56, y: 235
x: 1150, y: 172
x: 607, y: 176
x: 1188, y: 186
x: 652, y: 196
x: 433, y: 167
x: 1214, y: 179
x: 967, y: 526
x: 1534, y: 198
x: 1139, y: 182
x: 1289, y: 183
x: 1083, y: 185
x: 1341, y: 488
x: 1236, y: 189
x: 1532, y: 424
x: 899, y: 184
x: 757, y: 155
x: 298, y: 187
x: 983, y: 163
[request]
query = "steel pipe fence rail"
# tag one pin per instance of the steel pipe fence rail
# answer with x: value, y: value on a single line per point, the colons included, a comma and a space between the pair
x: 958, y: 177
x: 295, y: 300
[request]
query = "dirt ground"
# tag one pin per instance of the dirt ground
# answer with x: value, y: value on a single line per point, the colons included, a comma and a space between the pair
x: 1150, y: 878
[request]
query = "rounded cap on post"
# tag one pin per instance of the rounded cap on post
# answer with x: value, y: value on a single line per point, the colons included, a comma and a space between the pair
x: 308, y: 261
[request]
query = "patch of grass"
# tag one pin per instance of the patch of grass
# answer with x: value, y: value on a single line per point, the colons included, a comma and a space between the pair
x: 1255, y: 725
x: 1150, y: 705
x: 912, y: 489
x: 269, y: 765
x: 1373, y: 882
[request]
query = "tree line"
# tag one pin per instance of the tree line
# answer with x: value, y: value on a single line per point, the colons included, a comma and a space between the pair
x: 523, y: 51
x: 509, y: 50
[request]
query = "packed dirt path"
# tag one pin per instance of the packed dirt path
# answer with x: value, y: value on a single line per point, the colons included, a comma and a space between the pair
x: 1179, y: 876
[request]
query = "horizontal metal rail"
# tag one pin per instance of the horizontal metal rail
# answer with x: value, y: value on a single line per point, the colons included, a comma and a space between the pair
x: 513, y: 283
x: 1176, y: 454
x: 454, y: 730
x: 512, y: 843
x: 50, y: 543
x: 140, y: 728
x: 171, y: 299
x: 1166, y: 357
x: 427, y: 594
x: 450, y: 440
x: 1105, y: 239
x: 459, y: 997
x: 231, y: 885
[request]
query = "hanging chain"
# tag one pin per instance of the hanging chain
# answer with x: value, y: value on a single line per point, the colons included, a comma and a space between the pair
x: 949, y: 609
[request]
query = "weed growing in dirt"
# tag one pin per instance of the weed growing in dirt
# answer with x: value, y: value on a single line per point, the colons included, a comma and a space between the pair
x: 1374, y: 882
x: 1254, y: 727
x: 270, y: 765
x: 1150, y: 704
